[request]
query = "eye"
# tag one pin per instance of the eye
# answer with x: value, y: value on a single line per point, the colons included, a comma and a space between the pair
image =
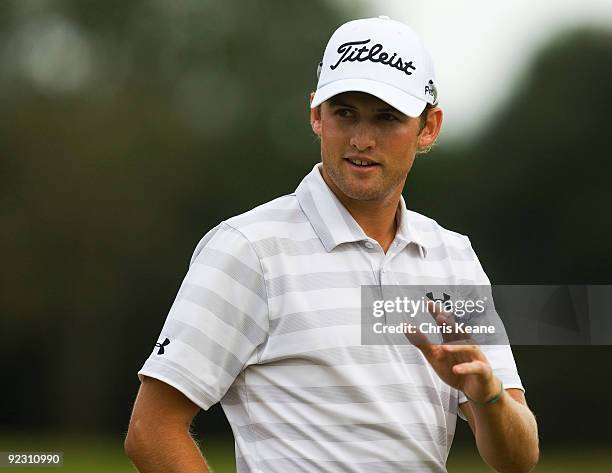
x: 344, y: 112
x: 388, y: 117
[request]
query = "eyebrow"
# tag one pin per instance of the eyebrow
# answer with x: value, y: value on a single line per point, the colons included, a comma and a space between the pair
x: 335, y: 102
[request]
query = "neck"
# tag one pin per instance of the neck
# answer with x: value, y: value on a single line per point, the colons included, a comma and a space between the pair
x: 377, y: 220
x: 375, y: 217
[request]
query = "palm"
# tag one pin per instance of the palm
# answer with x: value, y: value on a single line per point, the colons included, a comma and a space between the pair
x: 442, y: 362
x: 459, y: 363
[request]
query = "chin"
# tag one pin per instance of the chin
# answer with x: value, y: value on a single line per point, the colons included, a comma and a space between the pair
x: 364, y: 194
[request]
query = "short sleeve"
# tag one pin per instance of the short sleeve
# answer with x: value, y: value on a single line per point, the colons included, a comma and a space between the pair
x: 500, y: 356
x: 217, y: 322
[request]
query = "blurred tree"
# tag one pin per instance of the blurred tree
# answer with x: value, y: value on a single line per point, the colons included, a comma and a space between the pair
x: 532, y: 192
x: 128, y: 130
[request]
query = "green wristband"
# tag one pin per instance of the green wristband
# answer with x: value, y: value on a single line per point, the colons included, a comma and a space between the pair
x: 496, y: 398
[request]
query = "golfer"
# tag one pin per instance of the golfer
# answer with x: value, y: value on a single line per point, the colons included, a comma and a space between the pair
x: 267, y: 319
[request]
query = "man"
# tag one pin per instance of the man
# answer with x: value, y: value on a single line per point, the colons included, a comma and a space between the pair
x: 267, y: 320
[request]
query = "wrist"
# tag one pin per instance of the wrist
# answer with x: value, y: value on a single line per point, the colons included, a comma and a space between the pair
x: 491, y: 398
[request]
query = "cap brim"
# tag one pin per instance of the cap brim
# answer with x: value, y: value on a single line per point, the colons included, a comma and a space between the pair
x: 405, y: 103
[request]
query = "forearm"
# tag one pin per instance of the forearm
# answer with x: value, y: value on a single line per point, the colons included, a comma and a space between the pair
x: 506, y: 435
x: 154, y: 450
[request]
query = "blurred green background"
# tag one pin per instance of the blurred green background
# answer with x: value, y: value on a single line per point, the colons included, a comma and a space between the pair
x: 129, y: 129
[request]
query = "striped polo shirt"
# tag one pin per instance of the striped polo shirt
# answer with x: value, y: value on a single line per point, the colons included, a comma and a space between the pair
x: 267, y: 321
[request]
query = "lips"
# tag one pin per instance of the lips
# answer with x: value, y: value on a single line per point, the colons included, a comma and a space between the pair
x: 361, y: 162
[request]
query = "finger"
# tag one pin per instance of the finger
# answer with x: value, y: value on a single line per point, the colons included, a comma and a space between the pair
x: 420, y: 340
x: 463, y: 348
x: 464, y: 353
x: 442, y: 318
x: 473, y: 367
x: 446, y: 318
x: 436, y: 310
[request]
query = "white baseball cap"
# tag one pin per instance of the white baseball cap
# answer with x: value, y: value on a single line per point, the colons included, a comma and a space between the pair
x: 382, y: 57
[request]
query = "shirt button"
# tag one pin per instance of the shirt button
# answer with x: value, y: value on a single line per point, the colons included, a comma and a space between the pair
x: 368, y: 245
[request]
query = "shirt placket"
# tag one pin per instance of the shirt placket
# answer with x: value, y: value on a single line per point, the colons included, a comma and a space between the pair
x: 381, y: 263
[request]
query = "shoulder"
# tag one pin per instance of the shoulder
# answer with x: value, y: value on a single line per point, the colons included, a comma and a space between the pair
x: 280, y: 217
x: 259, y: 220
x: 284, y: 208
x: 274, y: 218
x: 449, y: 247
x: 437, y: 235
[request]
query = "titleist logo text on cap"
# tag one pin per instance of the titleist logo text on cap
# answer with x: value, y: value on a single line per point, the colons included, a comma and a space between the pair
x: 374, y: 54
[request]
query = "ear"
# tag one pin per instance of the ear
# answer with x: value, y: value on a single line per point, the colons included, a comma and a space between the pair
x: 431, y: 130
x: 315, y: 117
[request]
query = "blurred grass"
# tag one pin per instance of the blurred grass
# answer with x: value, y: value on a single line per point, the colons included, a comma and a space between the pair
x: 93, y: 454
x: 574, y: 459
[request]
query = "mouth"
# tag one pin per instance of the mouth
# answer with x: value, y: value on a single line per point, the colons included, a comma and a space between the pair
x: 362, y: 163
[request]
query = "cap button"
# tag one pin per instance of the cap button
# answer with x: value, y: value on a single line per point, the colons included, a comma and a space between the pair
x: 384, y: 17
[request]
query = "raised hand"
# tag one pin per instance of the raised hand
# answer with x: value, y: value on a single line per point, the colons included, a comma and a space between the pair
x: 459, y: 362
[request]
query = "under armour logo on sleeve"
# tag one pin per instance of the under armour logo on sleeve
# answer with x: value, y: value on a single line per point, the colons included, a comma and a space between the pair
x: 161, y: 346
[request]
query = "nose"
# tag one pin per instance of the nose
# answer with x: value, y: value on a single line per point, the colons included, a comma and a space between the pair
x: 363, y: 137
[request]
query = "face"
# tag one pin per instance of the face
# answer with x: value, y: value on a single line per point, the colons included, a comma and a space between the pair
x: 367, y: 147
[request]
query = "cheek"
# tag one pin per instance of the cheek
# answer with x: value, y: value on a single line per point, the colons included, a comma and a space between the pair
x: 403, y: 142
x: 330, y: 128
x: 332, y: 136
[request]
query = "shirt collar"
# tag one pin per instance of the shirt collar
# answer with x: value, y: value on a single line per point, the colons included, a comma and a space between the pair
x: 333, y: 224
x: 407, y: 230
